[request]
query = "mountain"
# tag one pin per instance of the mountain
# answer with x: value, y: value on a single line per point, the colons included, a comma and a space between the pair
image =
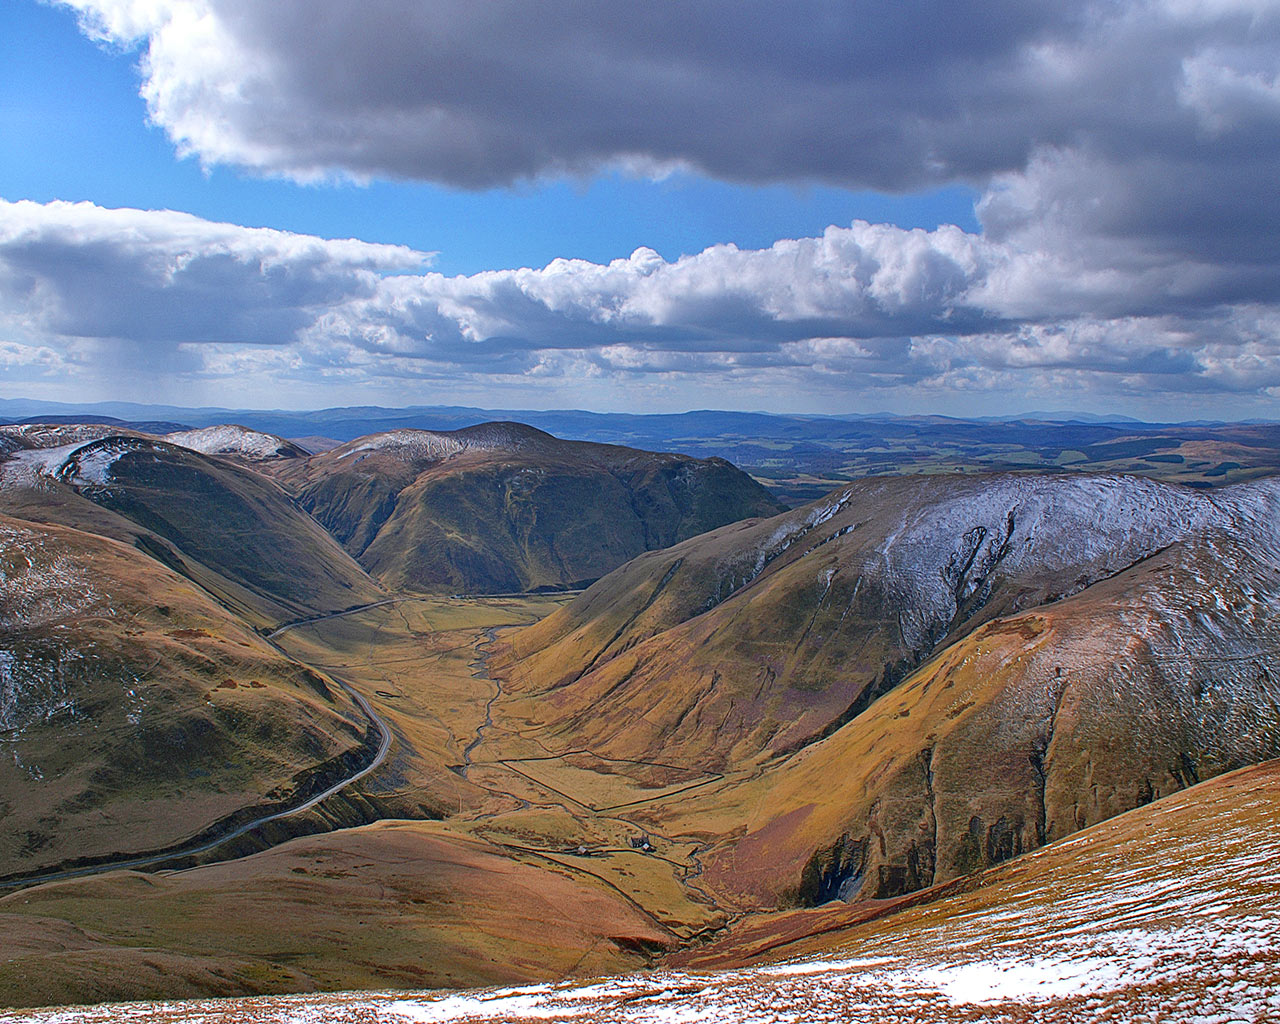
x: 140, y: 704
x: 801, y: 457
x: 756, y: 729
x: 214, y: 520
x: 503, y: 507
x: 235, y: 440
x: 919, y: 677
x: 137, y: 713
x: 1167, y: 912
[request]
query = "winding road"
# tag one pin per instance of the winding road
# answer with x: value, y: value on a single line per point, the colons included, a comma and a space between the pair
x: 152, y: 860
x: 311, y: 620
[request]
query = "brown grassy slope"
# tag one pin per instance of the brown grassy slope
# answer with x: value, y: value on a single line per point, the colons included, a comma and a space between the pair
x: 234, y: 531
x: 1022, y: 732
x: 1208, y: 848
x: 391, y: 905
x: 760, y: 637
x: 1157, y: 672
x: 1166, y: 913
x: 504, y: 507
x: 134, y: 711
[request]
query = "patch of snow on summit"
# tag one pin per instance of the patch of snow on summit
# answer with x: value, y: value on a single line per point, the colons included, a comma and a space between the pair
x: 92, y: 465
x: 28, y: 467
x: 412, y: 445
x: 231, y: 439
x: 56, y: 435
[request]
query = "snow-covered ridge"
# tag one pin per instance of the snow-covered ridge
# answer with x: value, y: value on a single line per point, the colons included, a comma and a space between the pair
x: 57, y: 435
x: 233, y: 439
x: 954, y: 538
x: 1079, y: 529
x: 413, y: 445
x: 81, y: 463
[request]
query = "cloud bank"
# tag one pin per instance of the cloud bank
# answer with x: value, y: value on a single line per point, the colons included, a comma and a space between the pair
x: 94, y: 293
x: 1126, y: 153
x: 1157, y: 119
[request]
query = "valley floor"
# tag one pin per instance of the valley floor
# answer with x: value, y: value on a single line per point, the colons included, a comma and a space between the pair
x: 1168, y: 912
x: 500, y: 860
x: 473, y: 854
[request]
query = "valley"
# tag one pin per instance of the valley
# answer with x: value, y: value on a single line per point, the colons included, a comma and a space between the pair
x: 619, y: 513
x: 1165, y: 912
x: 226, y: 778
x: 444, y: 828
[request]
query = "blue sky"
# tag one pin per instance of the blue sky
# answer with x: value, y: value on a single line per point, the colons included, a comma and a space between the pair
x: 830, y: 207
x: 75, y: 128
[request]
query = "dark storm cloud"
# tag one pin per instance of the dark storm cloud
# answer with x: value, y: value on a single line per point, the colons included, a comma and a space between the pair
x: 1091, y: 126
x: 865, y: 93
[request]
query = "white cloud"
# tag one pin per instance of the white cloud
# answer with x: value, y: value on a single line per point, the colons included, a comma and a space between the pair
x: 76, y: 271
x: 1127, y: 153
x: 122, y: 296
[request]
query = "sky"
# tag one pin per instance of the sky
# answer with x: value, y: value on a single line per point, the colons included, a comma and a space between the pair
x: 971, y: 208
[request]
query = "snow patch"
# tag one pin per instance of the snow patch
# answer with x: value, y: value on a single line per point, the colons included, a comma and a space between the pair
x: 55, y: 435
x: 232, y: 439
x: 82, y: 463
x: 31, y: 468
x: 91, y: 465
x: 431, y: 445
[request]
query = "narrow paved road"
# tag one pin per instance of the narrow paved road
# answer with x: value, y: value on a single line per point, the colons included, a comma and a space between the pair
x: 384, y: 746
x: 335, y: 615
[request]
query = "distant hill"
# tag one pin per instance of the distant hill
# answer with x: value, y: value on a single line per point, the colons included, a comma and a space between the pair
x: 504, y: 507
x: 215, y: 520
x: 235, y: 440
x: 800, y: 458
x: 143, y: 426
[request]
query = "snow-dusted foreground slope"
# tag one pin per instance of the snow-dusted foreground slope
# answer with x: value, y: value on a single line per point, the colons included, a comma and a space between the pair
x: 1170, y: 912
